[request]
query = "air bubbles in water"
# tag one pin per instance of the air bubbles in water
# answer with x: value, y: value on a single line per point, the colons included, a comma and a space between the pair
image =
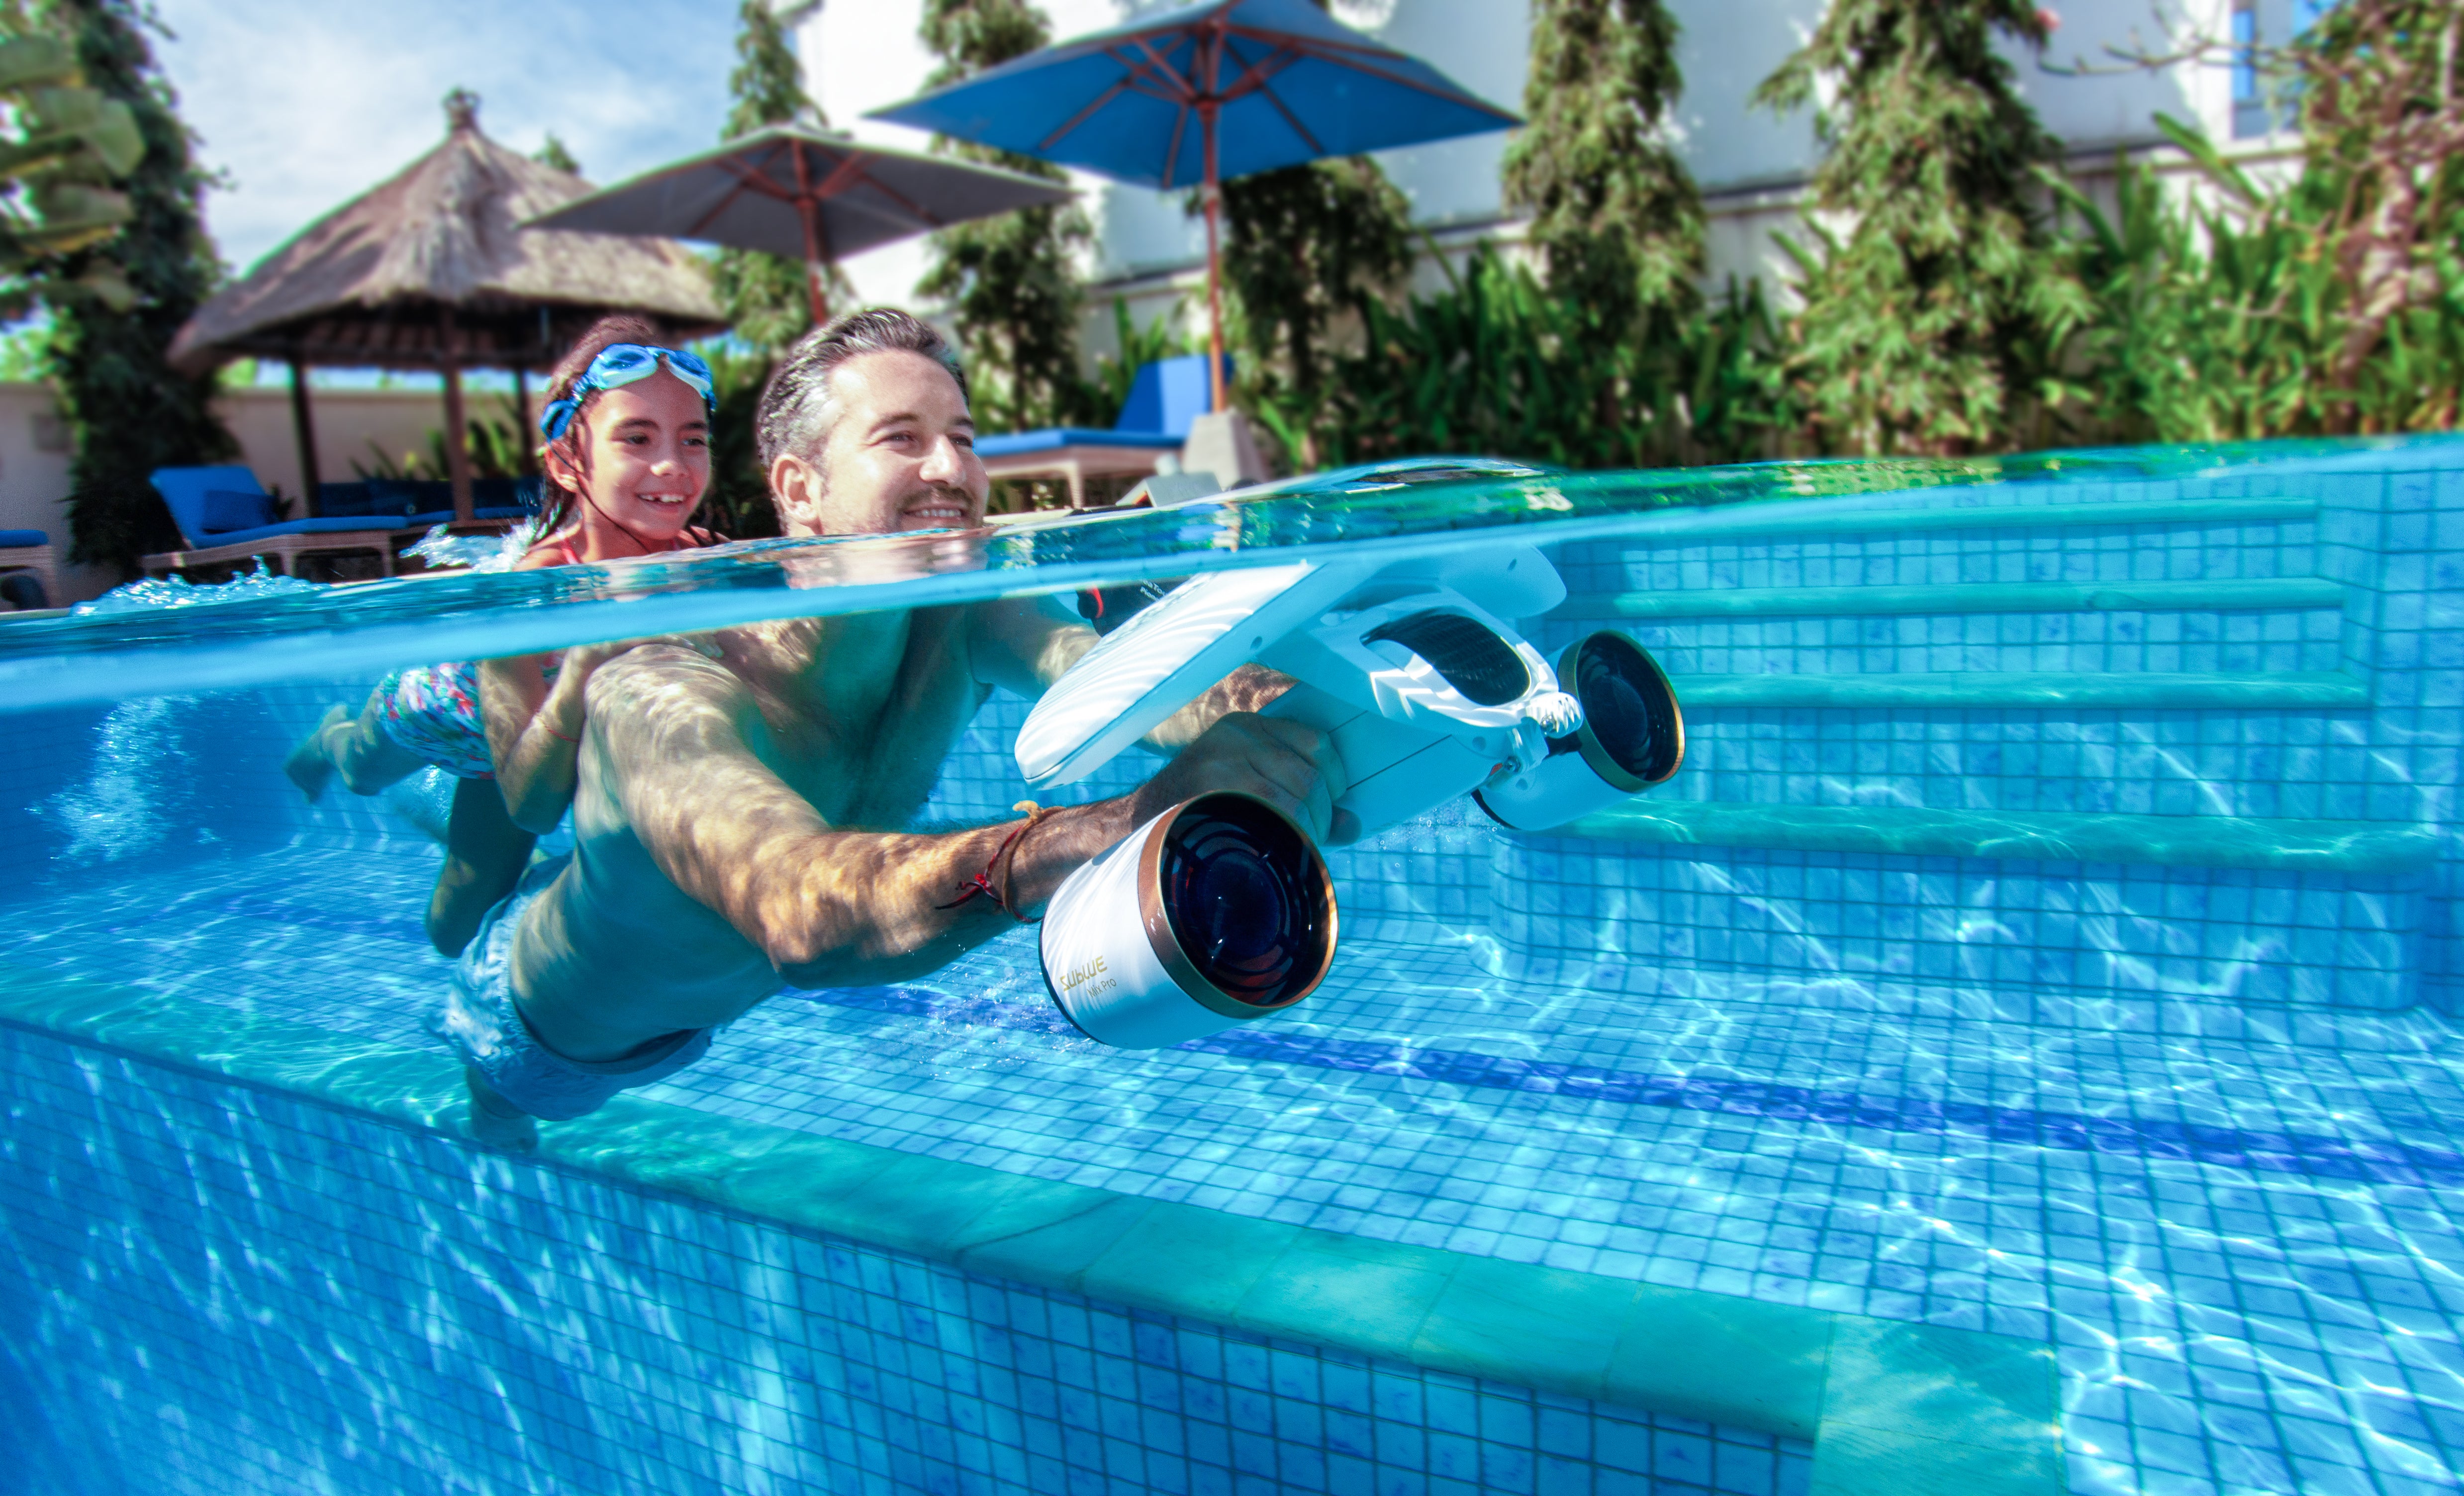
x: 1457, y: 821
x: 425, y: 799
x: 112, y: 816
x: 987, y: 1014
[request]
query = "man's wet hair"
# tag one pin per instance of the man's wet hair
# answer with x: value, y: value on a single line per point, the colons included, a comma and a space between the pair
x: 794, y: 410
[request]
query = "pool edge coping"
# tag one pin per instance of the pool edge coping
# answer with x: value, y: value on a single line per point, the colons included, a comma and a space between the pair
x: 1891, y: 1406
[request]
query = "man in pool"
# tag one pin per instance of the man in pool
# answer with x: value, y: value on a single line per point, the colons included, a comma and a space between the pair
x: 734, y: 816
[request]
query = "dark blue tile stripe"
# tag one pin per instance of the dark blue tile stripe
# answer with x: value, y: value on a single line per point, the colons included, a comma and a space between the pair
x: 2281, y: 1153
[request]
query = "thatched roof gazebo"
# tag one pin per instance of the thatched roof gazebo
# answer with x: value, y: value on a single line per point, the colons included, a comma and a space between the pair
x: 429, y: 271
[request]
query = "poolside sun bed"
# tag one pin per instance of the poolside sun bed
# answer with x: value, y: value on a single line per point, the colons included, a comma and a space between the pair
x: 225, y: 516
x: 32, y: 551
x: 1164, y: 398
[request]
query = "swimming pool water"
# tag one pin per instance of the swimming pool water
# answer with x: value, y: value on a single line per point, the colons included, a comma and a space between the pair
x: 2244, y: 1249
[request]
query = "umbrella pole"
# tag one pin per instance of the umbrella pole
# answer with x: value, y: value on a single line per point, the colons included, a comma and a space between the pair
x: 1214, y: 195
x: 817, y: 269
x: 817, y: 266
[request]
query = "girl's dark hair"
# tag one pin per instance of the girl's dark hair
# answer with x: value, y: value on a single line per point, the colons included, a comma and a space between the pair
x: 556, y: 500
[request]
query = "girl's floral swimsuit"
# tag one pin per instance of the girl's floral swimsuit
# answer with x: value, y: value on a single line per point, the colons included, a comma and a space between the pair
x: 434, y: 710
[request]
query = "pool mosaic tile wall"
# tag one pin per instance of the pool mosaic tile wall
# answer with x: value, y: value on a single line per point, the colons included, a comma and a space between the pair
x: 483, y: 1323
x: 2236, y: 951
x: 2192, y: 661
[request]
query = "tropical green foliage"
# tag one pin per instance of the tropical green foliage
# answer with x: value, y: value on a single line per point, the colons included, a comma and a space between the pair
x: 1608, y: 356
x: 1012, y: 280
x: 2381, y: 85
x: 495, y: 443
x: 2330, y: 303
x: 128, y: 411
x: 1615, y: 215
x: 1959, y: 292
x: 765, y: 296
x: 1140, y: 346
x: 1940, y: 312
x: 737, y: 501
x: 2209, y: 327
x: 1303, y: 247
x: 1499, y: 363
x: 64, y: 151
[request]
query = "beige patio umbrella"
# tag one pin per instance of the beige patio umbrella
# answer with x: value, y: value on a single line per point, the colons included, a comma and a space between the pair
x: 817, y: 195
x: 430, y: 270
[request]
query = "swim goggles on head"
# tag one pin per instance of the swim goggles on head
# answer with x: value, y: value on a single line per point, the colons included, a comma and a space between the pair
x: 622, y: 364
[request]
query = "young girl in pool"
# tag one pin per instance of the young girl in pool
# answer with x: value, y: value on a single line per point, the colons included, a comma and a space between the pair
x: 627, y: 460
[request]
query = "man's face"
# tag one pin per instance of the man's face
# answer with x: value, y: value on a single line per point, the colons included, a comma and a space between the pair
x: 900, y: 454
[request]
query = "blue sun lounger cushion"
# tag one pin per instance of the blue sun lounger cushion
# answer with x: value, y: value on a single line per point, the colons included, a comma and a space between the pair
x: 227, y: 510
x: 186, y: 491
x: 491, y: 498
x: 1164, y: 398
x: 369, y: 498
x: 416, y: 503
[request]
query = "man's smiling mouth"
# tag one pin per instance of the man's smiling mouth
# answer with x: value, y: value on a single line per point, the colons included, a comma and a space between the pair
x: 937, y: 509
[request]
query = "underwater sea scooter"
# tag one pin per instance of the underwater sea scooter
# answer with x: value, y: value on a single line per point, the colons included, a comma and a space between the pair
x: 1215, y: 913
x: 1427, y: 694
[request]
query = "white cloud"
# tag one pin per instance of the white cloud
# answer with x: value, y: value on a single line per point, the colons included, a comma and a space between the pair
x: 307, y: 103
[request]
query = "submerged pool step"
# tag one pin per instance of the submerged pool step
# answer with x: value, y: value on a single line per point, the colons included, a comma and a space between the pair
x: 2280, y: 845
x: 1743, y: 521
x: 1890, y: 1406
x: 2273, y: 594
x: 2328, y: 691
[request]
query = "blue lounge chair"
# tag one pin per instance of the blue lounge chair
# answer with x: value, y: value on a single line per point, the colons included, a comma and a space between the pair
x: 1164, y: 398
x: 416, y: 503
x: 225, y: 515
x: 30, y: 551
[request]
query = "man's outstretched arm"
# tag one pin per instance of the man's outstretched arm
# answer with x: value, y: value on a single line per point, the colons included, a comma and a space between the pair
x: 833, y: 908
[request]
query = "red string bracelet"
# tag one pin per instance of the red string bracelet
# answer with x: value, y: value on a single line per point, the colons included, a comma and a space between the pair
x: 1035, y: 813
x: 982, y: 882
x: 553, y: 733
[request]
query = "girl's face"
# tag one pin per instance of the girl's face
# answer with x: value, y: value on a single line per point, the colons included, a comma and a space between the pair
x: 649, y: 462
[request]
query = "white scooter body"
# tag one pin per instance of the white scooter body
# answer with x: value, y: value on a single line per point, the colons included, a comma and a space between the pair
x: 1422, y: 708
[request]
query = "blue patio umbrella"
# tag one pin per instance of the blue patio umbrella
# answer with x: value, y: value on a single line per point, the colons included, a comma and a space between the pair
x: 1200, y: 93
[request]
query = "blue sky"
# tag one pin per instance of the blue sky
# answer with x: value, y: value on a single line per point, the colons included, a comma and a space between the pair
x: 305, y: 104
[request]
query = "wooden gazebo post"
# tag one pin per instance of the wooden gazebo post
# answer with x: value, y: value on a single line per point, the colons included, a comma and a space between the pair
x: 303, y: 429
x: 457, y: 426
x: 523, y: 429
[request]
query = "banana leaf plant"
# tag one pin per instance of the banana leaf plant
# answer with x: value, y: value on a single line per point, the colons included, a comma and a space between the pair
x: 64, y: 148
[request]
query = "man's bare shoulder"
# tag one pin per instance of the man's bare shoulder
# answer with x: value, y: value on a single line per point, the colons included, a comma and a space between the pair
x: 776, y: 651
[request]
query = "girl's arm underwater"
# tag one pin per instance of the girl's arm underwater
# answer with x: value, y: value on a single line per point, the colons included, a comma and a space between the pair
x: 533, y: 707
